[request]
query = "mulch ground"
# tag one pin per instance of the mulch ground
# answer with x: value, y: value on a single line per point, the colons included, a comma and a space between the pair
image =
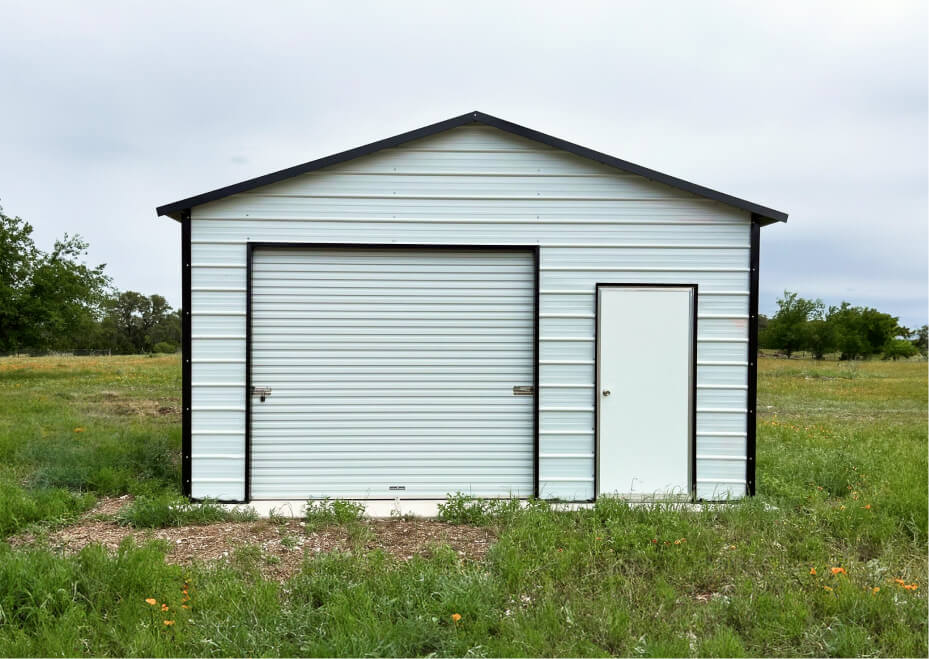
x: 284, y: 544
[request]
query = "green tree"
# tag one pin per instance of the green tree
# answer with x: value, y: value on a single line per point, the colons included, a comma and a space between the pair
x: 788, y: 330
x: 861, y: 331
x: 921, y: 340
x: 898, y: 348
x: 47, y: 300
x: 17, y: 256
x: 135, y: 323
x: 820, y: 337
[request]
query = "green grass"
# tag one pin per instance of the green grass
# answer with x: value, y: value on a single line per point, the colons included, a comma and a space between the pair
x: 164, y: 510
x: 75, y: 428
x: 842, y: 482
x: 319, y: 514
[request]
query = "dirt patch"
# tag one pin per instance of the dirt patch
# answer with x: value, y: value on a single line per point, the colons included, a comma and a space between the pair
x: 108, y: 506
x: 282, y: 545
x: 135, y: 407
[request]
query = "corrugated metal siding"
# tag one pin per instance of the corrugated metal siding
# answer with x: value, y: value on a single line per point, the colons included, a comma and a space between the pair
x: 392, y: 368
x: 477, y: 185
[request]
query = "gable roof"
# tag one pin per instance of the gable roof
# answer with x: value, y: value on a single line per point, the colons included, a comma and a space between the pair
x: 761, y: 214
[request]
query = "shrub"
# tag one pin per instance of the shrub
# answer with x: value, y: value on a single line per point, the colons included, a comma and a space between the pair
x: 164, y: 347
x: 166, y: 510
x: 461, y: 508
x: 336, y: 511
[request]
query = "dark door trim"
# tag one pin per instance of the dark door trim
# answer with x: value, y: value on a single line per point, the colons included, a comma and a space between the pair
x: 250, y: 248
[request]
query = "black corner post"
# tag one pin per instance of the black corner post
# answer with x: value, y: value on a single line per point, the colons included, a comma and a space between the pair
x: 751, y: 417
x: 186, y: 397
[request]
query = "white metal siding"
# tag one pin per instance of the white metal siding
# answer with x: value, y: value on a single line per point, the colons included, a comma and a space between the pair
x: 392, y: 368
x: 477, y: 185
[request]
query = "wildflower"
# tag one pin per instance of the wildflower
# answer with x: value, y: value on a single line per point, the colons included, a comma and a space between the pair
x: 654, y: 541
x: 731, y: 546
x: 839, y: 570
x: 164, y: 607
x: 827, y: 588
x: 875, y: 590
x: 456, y: 617
x: 911, y: 586
x: 184, y: 606
x: 152, y: 601
x: 842, y: 507
x: 900, y: 581
x: 813, y: 571
x: 168, y: 623
x: 868, y: 507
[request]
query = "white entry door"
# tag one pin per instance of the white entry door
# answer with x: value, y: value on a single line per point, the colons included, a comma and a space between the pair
x: 645, y: 390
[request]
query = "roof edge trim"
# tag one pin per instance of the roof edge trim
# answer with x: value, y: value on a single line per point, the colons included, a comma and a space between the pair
x: 762, y: 214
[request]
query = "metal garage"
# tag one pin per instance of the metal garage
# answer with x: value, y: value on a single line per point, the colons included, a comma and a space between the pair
x: 471, y: 306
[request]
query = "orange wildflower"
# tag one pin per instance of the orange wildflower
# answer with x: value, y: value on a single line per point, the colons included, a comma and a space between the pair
x: 456, y: 617
x: 868, y: 507
x: 152, y: 601
x: 184, y: 606
x: 168, y: 623
x: 875, y: 590
x: 899, y: 581
x: 827, y: 588
x: 839, y: 570
x: 164, y: 607
x: 79, y: 430
x: 911, y: 586
x: 813, y: 571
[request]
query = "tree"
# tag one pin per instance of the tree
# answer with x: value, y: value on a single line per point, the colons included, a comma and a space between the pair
x: 788, y: 329
x: 135, y: 323
x: 899, y: 349
x: 921, y: 342
x: 17, y: 255
x: 861, y: 331
x: 820, y: 337
x: 47, y: 300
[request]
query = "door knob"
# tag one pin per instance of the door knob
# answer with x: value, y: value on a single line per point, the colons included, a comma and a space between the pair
x: 606, y: 392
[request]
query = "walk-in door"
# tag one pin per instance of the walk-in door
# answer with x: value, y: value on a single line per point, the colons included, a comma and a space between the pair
x: 646, y: 346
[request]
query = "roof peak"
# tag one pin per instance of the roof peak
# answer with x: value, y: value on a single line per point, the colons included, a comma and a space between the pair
x: 762, y: 214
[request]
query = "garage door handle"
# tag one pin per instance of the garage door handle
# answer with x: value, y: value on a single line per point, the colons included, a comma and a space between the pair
x: 606, y: 392
x: 523, y: 390
x: 264, y: 392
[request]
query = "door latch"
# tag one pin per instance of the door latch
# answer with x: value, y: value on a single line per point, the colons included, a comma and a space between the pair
x: 523, y: 390
x: 263, y: 392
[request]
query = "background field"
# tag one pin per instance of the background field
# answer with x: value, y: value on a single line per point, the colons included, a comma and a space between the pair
x: 842, y: 483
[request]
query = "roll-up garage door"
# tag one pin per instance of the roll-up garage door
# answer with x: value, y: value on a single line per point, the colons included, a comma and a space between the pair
x: 391, y: 372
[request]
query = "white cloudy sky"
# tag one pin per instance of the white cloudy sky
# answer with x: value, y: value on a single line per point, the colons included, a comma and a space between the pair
x: 108, y: 109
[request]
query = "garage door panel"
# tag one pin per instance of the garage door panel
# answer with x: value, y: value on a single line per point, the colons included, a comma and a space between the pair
x: 392, y: 372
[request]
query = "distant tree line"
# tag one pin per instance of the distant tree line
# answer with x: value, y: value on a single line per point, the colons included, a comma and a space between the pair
x: 851, y: 332
x: 53, y: 301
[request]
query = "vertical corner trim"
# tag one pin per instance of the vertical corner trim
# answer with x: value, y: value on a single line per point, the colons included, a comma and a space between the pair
x: 249, y: 252
x: 750, y: 417
x: 186, y: 398
x: 535, y: 370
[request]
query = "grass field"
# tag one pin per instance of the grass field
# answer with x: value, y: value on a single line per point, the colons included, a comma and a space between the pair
x: 829, y: 559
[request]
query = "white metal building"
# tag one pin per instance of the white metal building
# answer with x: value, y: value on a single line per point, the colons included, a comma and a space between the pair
x: 472, y: 306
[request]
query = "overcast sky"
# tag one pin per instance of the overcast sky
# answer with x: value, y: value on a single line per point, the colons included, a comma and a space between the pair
x: 108, y: 109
